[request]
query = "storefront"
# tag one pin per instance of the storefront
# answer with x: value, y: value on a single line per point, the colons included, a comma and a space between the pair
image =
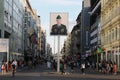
x: 112, y: 55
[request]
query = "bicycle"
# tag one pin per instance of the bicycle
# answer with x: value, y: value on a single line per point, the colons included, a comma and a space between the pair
x: 13, y: 70
x: 13, y: 73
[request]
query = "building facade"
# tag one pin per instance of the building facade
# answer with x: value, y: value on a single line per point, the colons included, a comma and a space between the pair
x: 30, y: 32
x: 49, y: 52
x: 11, y: 19
x: 67, y: 46
x: 95, y: 27
x: 43, y: 44
x: 110, y: 34
x: 39, y: 36
x: 85, y: 26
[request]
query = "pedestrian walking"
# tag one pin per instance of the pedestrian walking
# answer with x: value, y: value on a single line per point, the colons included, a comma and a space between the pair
x: 115, y: 68
x: 3, y: 67
x: 107, y: 67
x: 65, y: 65
x: 100, y: 67
x: 14, y: 67
x: 62, y: 67
x: 72, y: 65
x: 48, y: 64
x: 111, y: 67
x: 9, y: 66
x: 83, y: 68
x: 104, y: 67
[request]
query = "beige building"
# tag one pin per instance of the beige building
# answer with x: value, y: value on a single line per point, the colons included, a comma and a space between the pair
x: 67, y: 45
x: 110, y: 32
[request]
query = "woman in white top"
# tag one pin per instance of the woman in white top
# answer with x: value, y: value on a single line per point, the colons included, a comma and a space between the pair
x: 83, y: 68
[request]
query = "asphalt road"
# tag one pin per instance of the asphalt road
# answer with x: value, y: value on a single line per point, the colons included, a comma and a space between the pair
x: 42, y: 73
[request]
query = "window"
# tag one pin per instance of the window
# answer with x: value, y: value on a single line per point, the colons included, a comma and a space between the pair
x: 10, y: 18
x: 119, y: 32
x: 10, y: 10
x: 116, y: 33
x: 5, y: 25
x: 6, y: 14
x: 18, y: 26
x: 112, y: 37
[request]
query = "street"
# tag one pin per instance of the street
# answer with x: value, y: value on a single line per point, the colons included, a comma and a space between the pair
x: 59, y: 39
x: 42, y: 73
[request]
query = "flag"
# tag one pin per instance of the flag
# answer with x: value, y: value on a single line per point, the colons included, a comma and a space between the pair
x: 99, y: 50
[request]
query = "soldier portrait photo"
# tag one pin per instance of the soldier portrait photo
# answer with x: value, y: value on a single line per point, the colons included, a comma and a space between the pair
x: 59, y: 28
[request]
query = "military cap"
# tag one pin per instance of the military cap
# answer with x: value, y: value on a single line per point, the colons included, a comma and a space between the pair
x: 58, y: 17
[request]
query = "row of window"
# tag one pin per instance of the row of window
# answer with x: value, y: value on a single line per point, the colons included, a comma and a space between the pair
x: 112, y: 35
x: 110, y: 12
x: 7, y: 17
x: 17, y: 12
x: 17, y: 15
x: 8, y: 21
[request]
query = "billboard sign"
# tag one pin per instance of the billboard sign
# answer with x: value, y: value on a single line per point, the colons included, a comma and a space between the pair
x: 58, y: 23
x: 4, y: 45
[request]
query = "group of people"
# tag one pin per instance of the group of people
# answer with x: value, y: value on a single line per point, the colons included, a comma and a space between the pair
x: 10, y: 66
x: 52, y: 64
x: 107, y: 67
x: 65, y: 64
x: 71, y: 64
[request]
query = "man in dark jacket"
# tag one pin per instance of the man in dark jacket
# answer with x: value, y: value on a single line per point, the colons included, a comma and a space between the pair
x: 59, y: 28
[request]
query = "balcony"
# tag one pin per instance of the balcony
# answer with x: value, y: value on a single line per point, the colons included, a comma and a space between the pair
x: 114, y: 14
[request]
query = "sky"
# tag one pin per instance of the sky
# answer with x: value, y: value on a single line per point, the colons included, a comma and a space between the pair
x: 45, y: 7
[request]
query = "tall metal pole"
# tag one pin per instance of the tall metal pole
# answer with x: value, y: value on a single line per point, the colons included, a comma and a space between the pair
x: 54, y: 44
x: 58, y: 55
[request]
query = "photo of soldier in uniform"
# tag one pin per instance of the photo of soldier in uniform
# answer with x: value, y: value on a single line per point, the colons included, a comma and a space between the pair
x: 58, y: 28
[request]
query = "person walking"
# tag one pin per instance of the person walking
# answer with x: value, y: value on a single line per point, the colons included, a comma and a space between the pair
x: 83, y: 68
x: 62, y: 67
x: 72, y: 65
x: 48, y: 64
x: 107, y: 67
x: 111, y: 67
x: 115, y: 68
x: 14, y: 67
x: 3, y: 69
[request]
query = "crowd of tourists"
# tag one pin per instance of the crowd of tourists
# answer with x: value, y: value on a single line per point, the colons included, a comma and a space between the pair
x: 107, y: 67
x: 65, y: 64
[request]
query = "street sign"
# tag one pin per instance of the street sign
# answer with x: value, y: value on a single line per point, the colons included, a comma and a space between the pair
x: 4, y: 45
